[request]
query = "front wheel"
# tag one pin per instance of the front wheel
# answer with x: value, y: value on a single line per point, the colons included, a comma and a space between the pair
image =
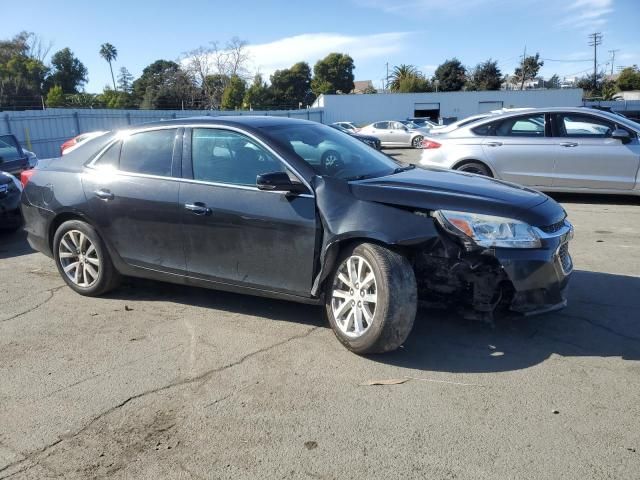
x: 371, y: 299
x: 83, y: 260
x: 475, y: 167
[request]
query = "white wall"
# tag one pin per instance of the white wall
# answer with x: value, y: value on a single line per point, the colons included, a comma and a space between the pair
x: 398, y: 106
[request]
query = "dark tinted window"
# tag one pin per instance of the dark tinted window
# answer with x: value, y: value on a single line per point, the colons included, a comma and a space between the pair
x: 148, y: 152
x: 482, y: 130
x: 381, y: 125
x: 223, y: 156
x: 525, y: 126
x: 110, y: 158
x: 8, y: 148
x: 585, y: 126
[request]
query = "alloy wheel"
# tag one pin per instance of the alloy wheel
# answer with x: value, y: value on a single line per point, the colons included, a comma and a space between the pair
x: 354, y: 296
x: 79, y: 258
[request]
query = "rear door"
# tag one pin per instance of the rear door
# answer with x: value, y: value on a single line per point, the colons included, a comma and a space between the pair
x: 381, y: 130
x: 587, y: 156
x: 520, y: 149
x: 132, y: 191
x: 235, y: 233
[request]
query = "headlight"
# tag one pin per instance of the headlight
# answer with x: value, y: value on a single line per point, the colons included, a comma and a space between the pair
x: 487, y: 230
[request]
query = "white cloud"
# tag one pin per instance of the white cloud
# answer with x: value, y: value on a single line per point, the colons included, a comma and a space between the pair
x: 587, y: 14
x: 310, y: 47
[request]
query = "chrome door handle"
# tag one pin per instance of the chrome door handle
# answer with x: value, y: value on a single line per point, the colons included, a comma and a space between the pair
x: 494, y: 144
x: 568, y: 144
x: 198, y: 208
x: 104, y: 194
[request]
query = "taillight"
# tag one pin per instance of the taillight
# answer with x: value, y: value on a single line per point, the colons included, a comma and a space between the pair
x: 427, y: 144
x: 68, y: 144
x: 25, y: 176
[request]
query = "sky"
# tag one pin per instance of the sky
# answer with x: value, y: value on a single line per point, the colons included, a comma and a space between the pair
x: 423, y: 33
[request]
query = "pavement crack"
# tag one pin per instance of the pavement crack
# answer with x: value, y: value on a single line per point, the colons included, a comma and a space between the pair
x: 51, y: 291
x: 203, y: 377
x: 600, y: 326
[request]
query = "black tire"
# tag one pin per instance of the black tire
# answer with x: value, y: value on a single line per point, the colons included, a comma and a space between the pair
x: 416, y: 142
x: 396, y: 305
x: 108, y: 277
x: 475, y: 167
x: 331, y: 159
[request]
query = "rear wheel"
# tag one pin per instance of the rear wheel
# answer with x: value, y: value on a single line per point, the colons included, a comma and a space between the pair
x: 475, y: 167
x: 371, y: 299
x: 416, y: 142
x: 83, y: 260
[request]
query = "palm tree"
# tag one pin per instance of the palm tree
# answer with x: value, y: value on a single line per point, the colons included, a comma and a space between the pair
x: 109, y: 53
x: 400, y: 73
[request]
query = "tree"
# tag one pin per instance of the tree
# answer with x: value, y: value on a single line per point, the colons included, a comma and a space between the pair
x: 125, y: 80
x: 333, y: 74
x: 233, y: 94
x: 553, y: 82
x: 257, y: 95
x: 55, y: 97
x: 485, y: 76
x: 68, y: 72
x: 22, y: 72
x: 629, y: 79
x: 528, y: 69
x: 163, y: 84
x: 109, y: 53
x: 451, y: 76
x: 212, y: 67
x: 291, y: 87
x: 604, y: 87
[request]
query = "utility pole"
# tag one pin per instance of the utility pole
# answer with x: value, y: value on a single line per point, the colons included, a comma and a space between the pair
x: 595, y: 39
x: 524, y: 68
x: 386, y: 79
x: 613, y: 58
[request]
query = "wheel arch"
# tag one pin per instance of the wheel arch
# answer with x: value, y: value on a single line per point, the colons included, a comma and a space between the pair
x: 465, y: 161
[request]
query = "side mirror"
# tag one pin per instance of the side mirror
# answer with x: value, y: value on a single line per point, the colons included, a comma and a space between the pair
x: 278, y: 182
x: 622, y: 135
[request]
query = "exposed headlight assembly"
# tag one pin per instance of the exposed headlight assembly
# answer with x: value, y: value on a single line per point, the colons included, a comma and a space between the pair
x: 487, y: 230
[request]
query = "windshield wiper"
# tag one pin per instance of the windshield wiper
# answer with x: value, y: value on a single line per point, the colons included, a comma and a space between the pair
x: 360, y: 177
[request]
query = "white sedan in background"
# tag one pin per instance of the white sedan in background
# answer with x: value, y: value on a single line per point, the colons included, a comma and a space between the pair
x: 554, y: 149
x: 394, y: 134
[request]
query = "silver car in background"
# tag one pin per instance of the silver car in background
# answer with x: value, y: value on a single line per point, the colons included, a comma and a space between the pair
x: 394, y: 134
x: 552, y: 149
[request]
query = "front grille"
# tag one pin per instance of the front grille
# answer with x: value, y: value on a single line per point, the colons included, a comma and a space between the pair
x: 565, y: 258
x: 553, y: 228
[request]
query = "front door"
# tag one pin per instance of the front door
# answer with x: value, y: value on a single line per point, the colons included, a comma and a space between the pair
x: 399, y: 134
x: 132, y: 191
x: 521, y: 150
x: 235, y: 233
x: 587, y: 156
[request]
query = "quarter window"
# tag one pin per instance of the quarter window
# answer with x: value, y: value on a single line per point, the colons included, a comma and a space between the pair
x: 223, y: 156
x: 585, y: 126
x: 381, y: 125
x: 110, y: 158
x: 149, y: 152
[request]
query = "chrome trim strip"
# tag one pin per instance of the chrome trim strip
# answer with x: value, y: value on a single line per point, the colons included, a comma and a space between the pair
x: 566, y: 232
x: 127, y: 132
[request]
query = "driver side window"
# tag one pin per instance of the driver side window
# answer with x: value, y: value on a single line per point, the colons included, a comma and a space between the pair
x: 224, y: 156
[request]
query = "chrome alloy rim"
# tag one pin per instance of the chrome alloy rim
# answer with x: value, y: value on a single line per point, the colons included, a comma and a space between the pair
x: 354, y: 296
x: 79, y: 258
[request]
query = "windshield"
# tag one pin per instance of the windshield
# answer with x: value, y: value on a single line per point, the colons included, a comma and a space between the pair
x: 331, y: 152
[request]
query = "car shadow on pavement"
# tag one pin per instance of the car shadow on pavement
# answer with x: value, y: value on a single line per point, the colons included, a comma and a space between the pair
x: 595, y: 199
x: 14, y: 244
x: 136, y: 289
x: 601, y: 321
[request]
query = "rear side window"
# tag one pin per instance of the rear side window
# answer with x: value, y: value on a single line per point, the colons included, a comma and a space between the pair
x: 525, y: 126
x: 381, y: 125
x: 150, y: 152
x: 9, y: 148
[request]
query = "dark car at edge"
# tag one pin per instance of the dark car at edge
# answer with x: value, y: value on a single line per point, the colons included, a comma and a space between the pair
x: 253, y: 205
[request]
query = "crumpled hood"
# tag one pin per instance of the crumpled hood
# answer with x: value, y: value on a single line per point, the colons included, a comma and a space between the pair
x: 439, y: 189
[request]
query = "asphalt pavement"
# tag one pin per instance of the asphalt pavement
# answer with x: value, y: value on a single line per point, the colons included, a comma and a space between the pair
x: 163, y: 381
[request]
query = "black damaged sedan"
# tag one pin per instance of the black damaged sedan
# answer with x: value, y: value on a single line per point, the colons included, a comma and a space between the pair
x: 297, y: 210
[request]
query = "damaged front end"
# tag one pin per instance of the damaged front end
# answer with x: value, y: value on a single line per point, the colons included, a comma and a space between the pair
x: 478, y: 281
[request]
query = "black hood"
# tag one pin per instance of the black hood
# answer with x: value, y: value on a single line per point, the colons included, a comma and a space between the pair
x: 437, y: 189
x: 5, y: 180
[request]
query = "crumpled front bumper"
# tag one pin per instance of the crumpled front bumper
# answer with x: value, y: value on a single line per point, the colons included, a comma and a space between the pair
x: 540, y: 277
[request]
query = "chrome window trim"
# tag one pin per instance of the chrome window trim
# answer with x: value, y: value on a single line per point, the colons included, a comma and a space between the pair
x: 128, y: 132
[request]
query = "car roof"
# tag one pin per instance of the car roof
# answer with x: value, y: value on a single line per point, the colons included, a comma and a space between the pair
x: 252, y: 121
